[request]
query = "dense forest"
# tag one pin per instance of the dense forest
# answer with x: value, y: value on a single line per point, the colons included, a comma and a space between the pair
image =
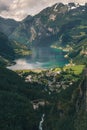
x: 61, y: 109
x: 57, y: 93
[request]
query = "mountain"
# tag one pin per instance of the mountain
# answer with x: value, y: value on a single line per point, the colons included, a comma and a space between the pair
x: 64, y: 107
x: 16, y: 111
x: 7, y: 26
x: 62, y: 25
x: 6, y: 51
x: 52, y: 24
x: 59, y: 93
x: 79, y: 52
x: 9, y: 50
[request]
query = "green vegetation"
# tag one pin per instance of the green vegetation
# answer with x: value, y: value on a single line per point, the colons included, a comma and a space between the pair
x: 16, y: 111
x: 56, y: 92
x: 67, y: 28
x: 17, y: 96
x: 81, y: 120
x: 9, y: 50
x: 77, y: 69
x: 20, y: 49
x: 6, y: 51
x: 61, y: 109
x: 62, y: 114
x: 79, y: 52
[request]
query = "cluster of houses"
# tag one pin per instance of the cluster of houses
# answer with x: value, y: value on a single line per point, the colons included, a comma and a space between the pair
x: 49, y: 78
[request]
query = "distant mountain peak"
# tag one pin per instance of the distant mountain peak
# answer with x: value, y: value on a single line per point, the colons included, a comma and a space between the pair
x: 58, y: 5
x: 72, y: 4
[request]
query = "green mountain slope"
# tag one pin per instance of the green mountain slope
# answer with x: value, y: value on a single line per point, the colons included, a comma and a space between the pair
x: 79, y: 52
x: 60, y: 25
x: 53, y: 24
x: 63, y: 109
x: 9, y: 50
x: 6, y: 51
x: 16, y: 111
x: 7, y: 26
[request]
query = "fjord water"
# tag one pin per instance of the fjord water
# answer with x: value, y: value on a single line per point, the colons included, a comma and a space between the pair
x: 41, y: 58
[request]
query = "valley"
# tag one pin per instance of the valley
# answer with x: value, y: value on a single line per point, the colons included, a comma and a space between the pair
x: 57, y: 79
x: 53, y: 92
x: 43, y: 70
x: 41, y: 58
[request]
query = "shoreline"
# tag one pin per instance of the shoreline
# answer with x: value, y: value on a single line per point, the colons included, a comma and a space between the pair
x: 61, y: 48
x: 36, y: 70
x: 22, y: 64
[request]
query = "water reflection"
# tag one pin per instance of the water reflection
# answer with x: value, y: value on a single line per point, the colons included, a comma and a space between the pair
x: 41, y: 58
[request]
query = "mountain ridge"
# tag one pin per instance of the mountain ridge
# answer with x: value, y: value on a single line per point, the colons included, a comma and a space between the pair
x: 45, y: 22
x: 61, y: 25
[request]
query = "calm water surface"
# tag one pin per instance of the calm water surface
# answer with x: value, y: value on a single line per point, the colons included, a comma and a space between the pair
x: 41, y: 58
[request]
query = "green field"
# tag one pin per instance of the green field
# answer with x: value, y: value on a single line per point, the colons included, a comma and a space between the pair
x: 77, y: 69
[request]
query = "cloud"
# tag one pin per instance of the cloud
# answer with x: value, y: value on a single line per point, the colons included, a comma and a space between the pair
x: 3, y: 6
x: 18, y: 9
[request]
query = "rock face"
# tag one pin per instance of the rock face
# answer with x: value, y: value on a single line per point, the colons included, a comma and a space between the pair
x: 62, y: 25
x: 52, y: 24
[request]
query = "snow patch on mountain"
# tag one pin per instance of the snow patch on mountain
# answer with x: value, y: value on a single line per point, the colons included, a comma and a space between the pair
x: 72, y: 6
x: 55, y: 8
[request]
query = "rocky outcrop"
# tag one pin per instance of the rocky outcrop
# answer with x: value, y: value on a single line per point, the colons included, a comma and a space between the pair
x: 51, y: 24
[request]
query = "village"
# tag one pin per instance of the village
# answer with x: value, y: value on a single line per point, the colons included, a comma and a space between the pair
x: 56, y: 80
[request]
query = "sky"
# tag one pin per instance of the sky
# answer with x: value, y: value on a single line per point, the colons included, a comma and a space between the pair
x: 19, y: 9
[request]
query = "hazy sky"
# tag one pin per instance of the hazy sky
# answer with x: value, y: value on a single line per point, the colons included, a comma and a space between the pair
x: 18, y: 9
